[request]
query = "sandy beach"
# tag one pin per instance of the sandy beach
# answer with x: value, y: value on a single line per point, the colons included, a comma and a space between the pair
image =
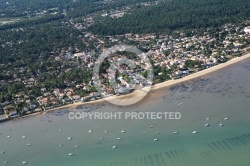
x: 165, y: 84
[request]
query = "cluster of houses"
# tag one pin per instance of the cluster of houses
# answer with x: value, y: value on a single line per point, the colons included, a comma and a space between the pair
x: 127, y: 74
x: 165, y: 50
x: 169, y: 51
x: 113, y: 13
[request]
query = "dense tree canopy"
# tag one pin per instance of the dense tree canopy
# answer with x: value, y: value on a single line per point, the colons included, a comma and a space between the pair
x: 177, y: 14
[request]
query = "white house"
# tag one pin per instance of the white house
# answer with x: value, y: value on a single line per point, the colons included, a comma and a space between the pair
x: 247, y: 29
x: 80, y: 54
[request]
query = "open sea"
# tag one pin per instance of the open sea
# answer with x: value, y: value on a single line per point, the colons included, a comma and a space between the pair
x: 219, y: 95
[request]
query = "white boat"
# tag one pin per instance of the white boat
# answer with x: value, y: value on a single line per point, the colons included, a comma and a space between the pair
x: 221, y: 124
x: 158, y: 132
x: 101, y: 138
x: 77, y: 146
x: 8, y: 136
x: 123, y: 131
x: 195, y: 132
x: 60, y: 145
x: 156, y: 139
x: 24, y: 162
x: 175, y: 132
x: 23, y: 136
x: 226, y: 118
x: 60, y: 129
x: 69, y: 138
x: 5, y: 162
x: 71, y: 154
x: 119, y: 138
x: 144, y: 132
x: 151, y: 126
x: 114, y: 147
x: 106, y: 131
x: 207, y: 118
x: 2, y: 152
x: 90, y: 131
x: 28, y: 144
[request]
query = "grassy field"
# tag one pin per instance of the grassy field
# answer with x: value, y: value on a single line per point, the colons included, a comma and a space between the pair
x: 4, y: 21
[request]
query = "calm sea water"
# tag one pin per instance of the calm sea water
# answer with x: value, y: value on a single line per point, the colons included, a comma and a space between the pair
x: 225, y: 93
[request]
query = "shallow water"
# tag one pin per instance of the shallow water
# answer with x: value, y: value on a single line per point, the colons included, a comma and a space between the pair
x: 225, y: 93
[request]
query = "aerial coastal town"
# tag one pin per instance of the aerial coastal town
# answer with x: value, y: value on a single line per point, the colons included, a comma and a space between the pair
x: 172, y: 56
x: 124, y: 82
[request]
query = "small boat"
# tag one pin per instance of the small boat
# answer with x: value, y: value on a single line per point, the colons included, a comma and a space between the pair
x: 5, y: 162
x: 77, y: 146
x: 156, y: 139
x: 44, y: 130
x: 2, y: 152
x: 119, y: 138
x: 164, y: 106
x: 151, y: 126
x: 24, y: 162
x: 144, y: 132
x: 114, y: 147
x: 195, y: 132
x: 60, y: 145
x: 28, y: 144
x: 207, y: 118
x: 158, y: 132
x: 175, y: 132
x: 60, y: 129
x: 90, y: 131
x: 23, y: 136
x: 8, y: 136
x: 106, y: 131
x: 71, y: 154
x: 69, y: 138
x: 221, y: 124
x: 123, y: 131
x: 101, y: 138
x: 226, y: 118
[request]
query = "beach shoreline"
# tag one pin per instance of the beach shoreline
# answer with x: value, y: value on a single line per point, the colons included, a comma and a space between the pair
x: 165, y: 84
x: 158, y: 86
x: 200, y: 73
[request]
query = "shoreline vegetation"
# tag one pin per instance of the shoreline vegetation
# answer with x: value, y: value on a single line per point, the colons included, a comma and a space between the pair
x: 165, y: 84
